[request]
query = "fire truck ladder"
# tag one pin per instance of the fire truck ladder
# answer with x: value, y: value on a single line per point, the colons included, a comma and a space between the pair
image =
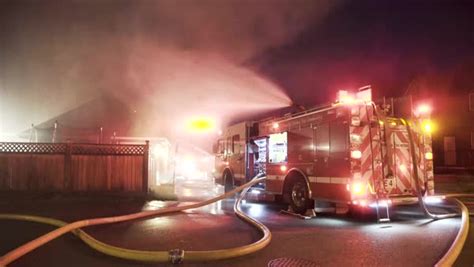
x: 380, y: 122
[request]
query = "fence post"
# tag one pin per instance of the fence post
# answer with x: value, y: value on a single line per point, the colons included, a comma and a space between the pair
x: 32, y: 133
x: 145, y: 166
x: 67, y: 167
x: 54, y: 132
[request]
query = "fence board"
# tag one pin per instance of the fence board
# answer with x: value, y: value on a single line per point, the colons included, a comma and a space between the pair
x: 72, y: 167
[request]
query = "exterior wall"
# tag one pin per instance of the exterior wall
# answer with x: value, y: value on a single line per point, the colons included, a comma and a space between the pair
x: 455, y: 118
x: 73, y: 167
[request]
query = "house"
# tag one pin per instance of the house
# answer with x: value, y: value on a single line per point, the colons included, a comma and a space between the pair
x: 453, y: 140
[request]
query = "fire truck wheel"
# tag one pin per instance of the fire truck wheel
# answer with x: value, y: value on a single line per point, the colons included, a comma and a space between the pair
x: 299, y: 196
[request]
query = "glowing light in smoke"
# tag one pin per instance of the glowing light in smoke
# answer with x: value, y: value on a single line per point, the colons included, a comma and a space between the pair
x: 423, y: 109
x: 187, y: 166
x: 201, y: 124
x: 428, y: 126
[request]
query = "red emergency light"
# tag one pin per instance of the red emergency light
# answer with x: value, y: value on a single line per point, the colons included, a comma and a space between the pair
x: 423, y: 109
x: 362, y: 97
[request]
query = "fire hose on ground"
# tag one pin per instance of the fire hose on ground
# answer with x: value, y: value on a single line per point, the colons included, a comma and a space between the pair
x: 455, y: 249
x: 173, y: 256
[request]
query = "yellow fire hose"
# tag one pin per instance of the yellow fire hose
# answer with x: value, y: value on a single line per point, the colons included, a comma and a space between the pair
x: 455, y: 249
x: 174, y: 256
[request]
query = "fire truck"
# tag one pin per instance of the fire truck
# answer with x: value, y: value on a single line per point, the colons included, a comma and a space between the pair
x: 353, y: 152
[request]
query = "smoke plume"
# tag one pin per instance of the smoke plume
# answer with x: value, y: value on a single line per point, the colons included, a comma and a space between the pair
x: 164, y: 59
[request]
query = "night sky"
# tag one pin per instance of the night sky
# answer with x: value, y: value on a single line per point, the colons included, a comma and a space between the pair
x: 169, y: 59
x: 388, y: 44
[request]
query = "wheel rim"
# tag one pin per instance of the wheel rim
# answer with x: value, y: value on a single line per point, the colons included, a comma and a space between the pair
x: 298, y: 194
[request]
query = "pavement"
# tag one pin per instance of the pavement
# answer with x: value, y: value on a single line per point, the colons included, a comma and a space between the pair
x: 328, y: 240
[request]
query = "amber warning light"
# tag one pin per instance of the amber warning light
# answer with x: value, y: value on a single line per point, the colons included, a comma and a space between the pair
x: 201, y: 124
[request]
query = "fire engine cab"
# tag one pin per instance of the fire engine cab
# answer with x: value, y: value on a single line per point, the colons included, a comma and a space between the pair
x: 353, y: 151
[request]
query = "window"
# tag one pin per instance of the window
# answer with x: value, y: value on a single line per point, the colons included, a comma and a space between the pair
x: 236, y: 144
x: 229, y: 146
x: 220, y: 146
x: 449, y: 150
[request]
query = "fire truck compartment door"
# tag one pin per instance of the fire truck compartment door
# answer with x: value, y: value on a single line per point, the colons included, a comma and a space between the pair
x: 321, y: 141
x: 402, y: 181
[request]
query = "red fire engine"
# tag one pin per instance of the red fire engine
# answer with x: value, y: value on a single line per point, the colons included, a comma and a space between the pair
x: 352, y: 151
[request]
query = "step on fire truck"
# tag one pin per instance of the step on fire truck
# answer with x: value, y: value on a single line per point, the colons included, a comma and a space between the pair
x: 353, y: 151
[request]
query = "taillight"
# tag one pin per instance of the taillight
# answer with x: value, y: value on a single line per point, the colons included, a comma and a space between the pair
x: 283, y: 168
x: 428, y: 156
x: 358, y: 188
x: 427, y: 126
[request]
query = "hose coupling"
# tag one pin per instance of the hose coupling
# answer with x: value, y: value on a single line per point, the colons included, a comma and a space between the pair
x: 176, y: 256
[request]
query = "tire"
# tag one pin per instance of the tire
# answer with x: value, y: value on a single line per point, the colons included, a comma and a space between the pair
x: 299, y: 196
x: 228, y: 182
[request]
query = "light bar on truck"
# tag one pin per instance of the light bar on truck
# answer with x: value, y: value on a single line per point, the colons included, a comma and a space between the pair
x: 423, y: 109
x: 347, y: 98
x: 344, y: 97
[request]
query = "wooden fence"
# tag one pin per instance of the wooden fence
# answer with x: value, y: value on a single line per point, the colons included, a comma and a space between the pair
x: 73, y: 167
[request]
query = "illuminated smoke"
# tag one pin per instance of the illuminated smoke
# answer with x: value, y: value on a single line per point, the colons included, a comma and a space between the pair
x: 165, y: 59
x: 179, y: 85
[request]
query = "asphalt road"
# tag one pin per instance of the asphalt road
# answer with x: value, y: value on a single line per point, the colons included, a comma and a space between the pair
x: 328, y: 240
